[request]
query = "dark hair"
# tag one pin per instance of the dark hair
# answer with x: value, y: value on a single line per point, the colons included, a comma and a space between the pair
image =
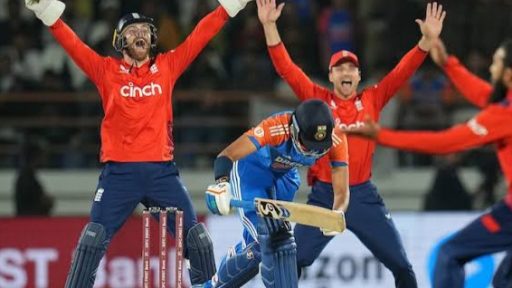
x: 500, y: 90
x: 507, y: 46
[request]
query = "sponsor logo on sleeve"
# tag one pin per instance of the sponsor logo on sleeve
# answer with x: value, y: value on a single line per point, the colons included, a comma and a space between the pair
x: 477, y: 128
x: 259, y: 132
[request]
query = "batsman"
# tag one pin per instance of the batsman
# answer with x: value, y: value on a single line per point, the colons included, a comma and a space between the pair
x: 263, y: 163
x: 136, y: 131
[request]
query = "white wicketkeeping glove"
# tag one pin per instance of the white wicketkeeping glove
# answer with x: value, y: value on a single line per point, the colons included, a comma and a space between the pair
x: 233, y: 6
x: 330, y: 233
x: 48, y: 11
x: 218, y: 198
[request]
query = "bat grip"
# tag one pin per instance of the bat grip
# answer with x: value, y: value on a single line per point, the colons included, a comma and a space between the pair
x: 249, y: 205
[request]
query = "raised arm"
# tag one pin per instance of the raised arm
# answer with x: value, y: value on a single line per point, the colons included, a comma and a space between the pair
x: 86, y: 58
x: 430, y: 29
x: 473, y: 88
x: 181, y: 57
x: 49, y: 11
x: 300, y: 83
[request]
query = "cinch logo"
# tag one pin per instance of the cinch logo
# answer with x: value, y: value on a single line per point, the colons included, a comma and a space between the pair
x: 344, y: 126
x: 131, y: 90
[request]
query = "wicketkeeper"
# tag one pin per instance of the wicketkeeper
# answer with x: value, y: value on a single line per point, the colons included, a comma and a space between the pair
x: 136, y: 131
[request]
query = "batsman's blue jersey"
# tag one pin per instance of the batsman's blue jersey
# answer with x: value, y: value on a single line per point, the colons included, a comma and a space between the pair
x: 271, y: 171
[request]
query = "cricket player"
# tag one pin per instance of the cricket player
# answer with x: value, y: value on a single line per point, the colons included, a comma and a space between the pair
x: 491, y: 232
x: 263, y: 163
x: 478, y: 92
x: 367, y: 216
x: 136, y: 131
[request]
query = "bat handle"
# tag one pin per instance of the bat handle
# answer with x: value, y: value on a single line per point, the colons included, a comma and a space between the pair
x: 249, y: 205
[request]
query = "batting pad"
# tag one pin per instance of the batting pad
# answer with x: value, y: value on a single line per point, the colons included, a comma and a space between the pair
x: 278, y: 254
x: 200, y: 254
x: 91, y: 247
x: 238, y: 269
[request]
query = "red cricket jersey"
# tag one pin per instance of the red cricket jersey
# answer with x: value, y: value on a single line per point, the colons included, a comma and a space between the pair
x: 348, y: 113
x: 137, y: 101
x: 490, y: 126
x: 491, y: 121
x: 476, y: 90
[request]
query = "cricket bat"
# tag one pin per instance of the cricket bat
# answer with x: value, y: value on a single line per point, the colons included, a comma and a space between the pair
x: 295, y: 212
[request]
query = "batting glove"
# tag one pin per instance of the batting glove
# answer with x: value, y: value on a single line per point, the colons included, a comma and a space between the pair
x: 218, y: 198
x: 330, y: 233
x: 233, y: 6
x: 48, y: 11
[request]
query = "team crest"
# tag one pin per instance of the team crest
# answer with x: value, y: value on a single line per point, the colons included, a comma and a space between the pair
x: 123, y: 70
x: 259, y: 132
x: 153, y: 69
x: 321, y: 132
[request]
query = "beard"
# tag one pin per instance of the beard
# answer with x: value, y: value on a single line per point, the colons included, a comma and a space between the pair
x: 138, y: 50
x: 499, y: 93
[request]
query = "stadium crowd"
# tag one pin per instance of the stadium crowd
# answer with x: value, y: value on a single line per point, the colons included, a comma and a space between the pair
x: 237, y: 59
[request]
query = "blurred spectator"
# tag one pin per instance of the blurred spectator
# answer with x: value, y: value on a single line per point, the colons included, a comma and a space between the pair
x: 7, y: 80
x: 237, y: 58
x: 478, y: 64
x: 168, y: 30
x: 79, y: 15
x: 447, y: 192
x: 209, y: 109
x: 100, y: 36
x: 305, y: 10
x: 425, y: 104
x: 27, y: 68
x: 15, y: 23
x: 426, y: 100
x: 252, y: 69
x: 102, y: 29
x: 402, y: 31
x: 457, y: 29
x: 208, y: 71
x: 300, y: 38
x: 30, y: 197
x: 487, y: 164
x: 489, y: 22
x: 76, y: 154
x: 336, y: 29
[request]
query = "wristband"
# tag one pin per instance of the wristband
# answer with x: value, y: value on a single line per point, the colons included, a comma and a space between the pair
x: 222, y: 168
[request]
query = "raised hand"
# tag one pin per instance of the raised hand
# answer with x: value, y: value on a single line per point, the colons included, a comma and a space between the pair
x: 48, y: 11
x: 432, y: 26
x: 232, y: 7
x: 438, y: 52
x: 268, y: 13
